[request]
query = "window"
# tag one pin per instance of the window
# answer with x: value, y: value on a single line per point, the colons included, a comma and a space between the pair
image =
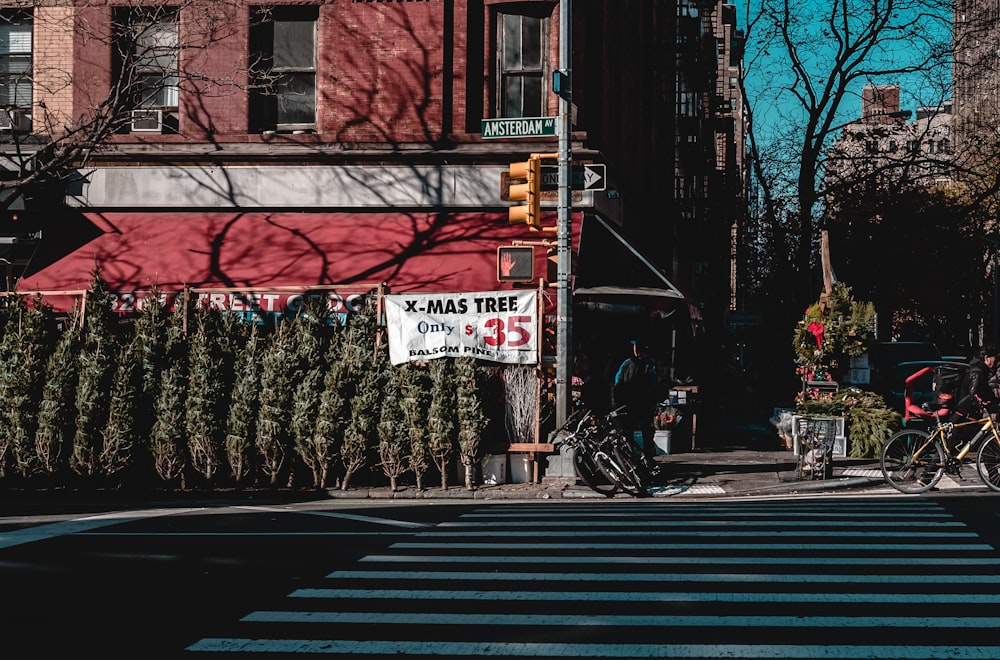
x: 283, y: 67
x: 687, y: 104
x: 521, y: 63
x: 15, y: 68
x: 146, y: 66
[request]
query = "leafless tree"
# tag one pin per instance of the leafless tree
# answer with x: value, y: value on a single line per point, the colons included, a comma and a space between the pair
x: 815, y: 58
x: 53, y: 135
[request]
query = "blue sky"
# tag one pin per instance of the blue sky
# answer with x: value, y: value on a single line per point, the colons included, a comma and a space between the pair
x: 768, y: 70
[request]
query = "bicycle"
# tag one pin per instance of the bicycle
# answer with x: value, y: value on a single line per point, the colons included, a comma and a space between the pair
x: 914, y: 460
x: 603, y: 457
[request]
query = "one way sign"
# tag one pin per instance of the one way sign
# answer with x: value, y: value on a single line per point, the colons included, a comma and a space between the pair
x: 585, y: 177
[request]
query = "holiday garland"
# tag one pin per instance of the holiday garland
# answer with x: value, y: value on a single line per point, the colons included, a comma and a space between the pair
x: 831, y: 332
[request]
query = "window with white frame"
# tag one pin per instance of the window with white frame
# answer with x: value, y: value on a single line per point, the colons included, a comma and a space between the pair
x: 521, y: 63
x: 15, y: 62
x: 147, y: 65
x: 148, y: 49
x: 283, y: 66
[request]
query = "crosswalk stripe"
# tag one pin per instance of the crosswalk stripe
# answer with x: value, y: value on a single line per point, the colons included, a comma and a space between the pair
x: 813, y: 577
x: 617, y: 620
x: 583, y: 650
x: 752, y: 533
x: 824, y: 560
x: 756, y: 524
x: 917, y: 544
x: 646, y: 596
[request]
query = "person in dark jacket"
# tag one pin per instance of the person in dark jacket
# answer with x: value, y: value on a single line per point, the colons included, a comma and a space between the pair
x: 634, y: 387
x: 977, y: 396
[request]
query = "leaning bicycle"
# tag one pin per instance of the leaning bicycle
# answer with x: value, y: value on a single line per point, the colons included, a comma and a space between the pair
x: 914, y: 460
x: 603, y: 456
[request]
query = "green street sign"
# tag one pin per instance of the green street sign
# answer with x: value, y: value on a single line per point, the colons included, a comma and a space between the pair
x: 519, y: 127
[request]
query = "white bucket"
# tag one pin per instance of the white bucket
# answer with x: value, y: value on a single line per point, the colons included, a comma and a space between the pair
x: 520, y: 468
x: 495, y: 470
x: 661, y: 439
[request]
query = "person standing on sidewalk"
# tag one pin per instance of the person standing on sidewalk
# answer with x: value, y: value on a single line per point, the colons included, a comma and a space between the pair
x: 634, y: 387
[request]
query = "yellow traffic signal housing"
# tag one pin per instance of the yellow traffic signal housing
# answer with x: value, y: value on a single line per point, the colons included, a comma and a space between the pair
x: 530, y: 192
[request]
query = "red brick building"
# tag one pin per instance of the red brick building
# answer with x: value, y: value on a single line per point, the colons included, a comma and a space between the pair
x: 340, y: 142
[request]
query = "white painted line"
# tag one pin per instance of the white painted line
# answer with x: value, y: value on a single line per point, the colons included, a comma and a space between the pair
x: 648, y: 597
x: 556, y: 650
x: 674, y: 533
x: 948, y: 483
x: 695, y: 489
x: 247, y: 534
x: 621, y: 620
x: 11, y: 538
x: 858, y: 472
x: 336, y: 514
x: 494, y: 560
x: 812, y: 577
x: 668, y: 523
x: 367, y: 519
x: 558, y: 512
x: 917, y: 544
x: 606, y: 506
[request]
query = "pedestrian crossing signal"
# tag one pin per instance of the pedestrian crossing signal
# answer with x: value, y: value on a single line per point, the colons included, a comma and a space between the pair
x: 515, y: 264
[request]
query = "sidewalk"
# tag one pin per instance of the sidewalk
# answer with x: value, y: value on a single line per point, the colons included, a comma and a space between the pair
x: 732, y: 456
x: 700, y: 473
x: 735, y: 456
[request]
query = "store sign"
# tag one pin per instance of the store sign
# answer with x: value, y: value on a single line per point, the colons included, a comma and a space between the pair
x: 499, y: 326
x: 255, y: 306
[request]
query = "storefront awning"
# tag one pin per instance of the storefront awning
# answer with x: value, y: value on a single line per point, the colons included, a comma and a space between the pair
x: 610, y: 267
x: 422, y: 251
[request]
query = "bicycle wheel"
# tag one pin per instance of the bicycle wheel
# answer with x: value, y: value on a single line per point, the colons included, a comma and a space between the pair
x: 629, y: 457
x: 592, y: 475
x: 618, y: 471
x: 988, y: 463
x: 912, y: 462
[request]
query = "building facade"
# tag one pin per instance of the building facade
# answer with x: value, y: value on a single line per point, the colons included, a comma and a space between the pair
x: 297, y: 144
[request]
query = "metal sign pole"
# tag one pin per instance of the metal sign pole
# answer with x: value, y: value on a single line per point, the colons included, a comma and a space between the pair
x: 564, y: 304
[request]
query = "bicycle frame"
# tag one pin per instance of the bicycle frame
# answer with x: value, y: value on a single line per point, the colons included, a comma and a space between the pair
x: 914, y: 461
x: 986, y: 426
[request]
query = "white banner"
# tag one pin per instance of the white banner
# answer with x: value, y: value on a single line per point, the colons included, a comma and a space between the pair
x: 499, y: 326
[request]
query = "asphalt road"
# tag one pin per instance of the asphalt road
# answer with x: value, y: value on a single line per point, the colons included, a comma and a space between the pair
x: 826, y: 577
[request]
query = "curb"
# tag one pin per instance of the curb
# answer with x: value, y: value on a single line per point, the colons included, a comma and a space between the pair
x: 517, y: 492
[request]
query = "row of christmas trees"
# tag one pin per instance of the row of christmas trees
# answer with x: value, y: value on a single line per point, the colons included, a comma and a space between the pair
x: 206, y: 400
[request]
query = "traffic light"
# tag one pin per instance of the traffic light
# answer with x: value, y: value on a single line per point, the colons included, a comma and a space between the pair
x: 530, y: 192
x: 515, y: 264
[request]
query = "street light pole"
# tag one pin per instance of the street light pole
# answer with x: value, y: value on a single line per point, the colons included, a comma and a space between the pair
x: 564, y: 305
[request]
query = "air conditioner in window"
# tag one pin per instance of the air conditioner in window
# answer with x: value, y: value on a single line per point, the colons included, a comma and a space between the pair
x: 147, y: 121
x: 17, y: 121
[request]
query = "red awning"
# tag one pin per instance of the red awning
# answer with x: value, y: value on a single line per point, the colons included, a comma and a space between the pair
x: 136, y: 251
